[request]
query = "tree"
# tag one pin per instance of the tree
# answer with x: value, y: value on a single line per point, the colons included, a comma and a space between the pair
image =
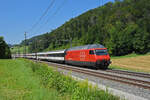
x: 141, y: 41
x: 4, y: 49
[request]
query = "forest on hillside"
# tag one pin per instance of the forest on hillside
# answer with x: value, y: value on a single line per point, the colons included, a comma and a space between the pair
x: 122, y: 26
x: 4, y: 49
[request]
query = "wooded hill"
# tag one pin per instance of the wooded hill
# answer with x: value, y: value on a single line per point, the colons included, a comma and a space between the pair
x: 123, y: 27
x: 4, y: 49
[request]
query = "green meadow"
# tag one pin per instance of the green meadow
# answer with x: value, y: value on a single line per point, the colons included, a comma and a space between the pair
x: 22, y: 79
x: 18, y: 82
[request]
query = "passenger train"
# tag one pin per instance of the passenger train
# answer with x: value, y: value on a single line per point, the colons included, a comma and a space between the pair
x: 94, y: 55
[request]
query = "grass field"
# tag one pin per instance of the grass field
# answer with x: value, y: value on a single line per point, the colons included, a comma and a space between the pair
x: 140, y: 63
x: 18, y: 82
x: 22, y: 79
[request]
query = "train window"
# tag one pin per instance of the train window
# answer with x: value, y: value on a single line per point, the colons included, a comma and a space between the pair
x: 101, y: 52
x: 56, y: 55
x: 91, y: 52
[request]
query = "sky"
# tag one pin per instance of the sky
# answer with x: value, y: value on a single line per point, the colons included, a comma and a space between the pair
x: 20, y: 16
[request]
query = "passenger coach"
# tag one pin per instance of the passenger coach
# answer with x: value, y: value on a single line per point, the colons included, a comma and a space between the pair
x: 55, y: 56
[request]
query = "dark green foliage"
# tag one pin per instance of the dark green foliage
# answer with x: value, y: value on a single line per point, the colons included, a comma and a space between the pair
x: 122, y: 26
x: 141, y: 41
x: 4, y: 49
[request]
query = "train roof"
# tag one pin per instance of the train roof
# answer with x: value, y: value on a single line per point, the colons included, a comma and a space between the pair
x: 52, y: 52
x: 90, y: 46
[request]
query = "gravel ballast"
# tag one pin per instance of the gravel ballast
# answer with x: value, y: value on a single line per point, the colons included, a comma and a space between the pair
x: 128, y: 92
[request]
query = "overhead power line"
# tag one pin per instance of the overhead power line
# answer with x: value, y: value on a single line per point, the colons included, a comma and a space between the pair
x: 57, y: 10
x: 42, y: 16
x: 52, y: 16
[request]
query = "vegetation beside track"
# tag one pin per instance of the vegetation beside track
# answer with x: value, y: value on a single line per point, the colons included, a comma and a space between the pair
x: 133, y: 62
x: 24, y: 79
x: 18, y: 82
x: 18, y: 49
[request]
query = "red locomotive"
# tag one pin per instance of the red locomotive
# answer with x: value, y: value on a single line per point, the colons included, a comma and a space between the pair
x: 95, y: 55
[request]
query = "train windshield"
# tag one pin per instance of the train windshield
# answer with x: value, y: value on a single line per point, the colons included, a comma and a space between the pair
x: 101, y: 52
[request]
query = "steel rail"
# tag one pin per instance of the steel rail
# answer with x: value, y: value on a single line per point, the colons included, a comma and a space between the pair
x: 143, y: 75
x: 131, y: 81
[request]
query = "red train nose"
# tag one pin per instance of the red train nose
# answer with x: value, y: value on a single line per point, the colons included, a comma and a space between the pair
x: 103, y: 57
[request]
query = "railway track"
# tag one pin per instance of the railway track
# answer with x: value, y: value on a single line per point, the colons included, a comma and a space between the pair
x: 138, y: 74
x: 125, y: 80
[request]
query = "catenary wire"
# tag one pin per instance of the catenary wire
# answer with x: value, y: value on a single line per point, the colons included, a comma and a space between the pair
x: 52, y: 16
x: 42, y: 16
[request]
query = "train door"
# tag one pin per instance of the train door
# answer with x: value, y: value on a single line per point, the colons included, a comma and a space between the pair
x: 91, y: 56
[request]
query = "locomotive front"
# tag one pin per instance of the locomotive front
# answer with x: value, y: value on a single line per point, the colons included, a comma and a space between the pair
x: 102, y: 58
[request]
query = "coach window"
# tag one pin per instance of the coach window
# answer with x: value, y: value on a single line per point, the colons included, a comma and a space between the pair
x: 91, y: 52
